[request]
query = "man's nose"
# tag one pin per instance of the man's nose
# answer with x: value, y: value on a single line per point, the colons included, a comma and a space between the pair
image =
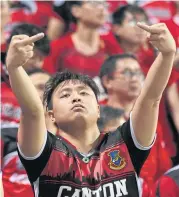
x: 76, y: 100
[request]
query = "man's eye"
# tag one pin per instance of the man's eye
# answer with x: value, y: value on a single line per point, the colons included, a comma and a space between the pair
x: 83, y: 93
x: 65, y: 96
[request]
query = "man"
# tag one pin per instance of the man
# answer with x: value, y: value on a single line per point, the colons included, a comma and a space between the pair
x: 122, y: 78
x: 82, y: 51
x: 81, y: 161
x: 14, y: 177
x: 128, y: 36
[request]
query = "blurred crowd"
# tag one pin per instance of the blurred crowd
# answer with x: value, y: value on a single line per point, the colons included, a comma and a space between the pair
x: 100, y: 39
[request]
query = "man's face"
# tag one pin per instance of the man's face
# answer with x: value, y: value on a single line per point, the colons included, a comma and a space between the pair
x: 39, y: 80
x: 92, y: 13
x: 127, y: 79
x: 36, y: 61
x: 74, y: 103
x: 128, y: 30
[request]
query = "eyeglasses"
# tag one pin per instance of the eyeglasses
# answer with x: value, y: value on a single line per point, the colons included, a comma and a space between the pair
x: 129, y: 73
x: 134, y: 22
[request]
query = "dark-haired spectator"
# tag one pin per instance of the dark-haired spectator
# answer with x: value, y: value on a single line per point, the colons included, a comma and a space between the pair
x: 84, y: 50
x: 129, y: 38
x: 122, y: 79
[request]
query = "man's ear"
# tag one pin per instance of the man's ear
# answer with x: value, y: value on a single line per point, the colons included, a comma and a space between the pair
x: 51, y: 115
x: 76, y: 11
x: 106, y: 83
x: 116, y: 29
x: 99, y: 111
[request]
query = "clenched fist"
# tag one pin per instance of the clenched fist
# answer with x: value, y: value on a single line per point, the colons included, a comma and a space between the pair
x: 160, y: 37
x: 21, y: 49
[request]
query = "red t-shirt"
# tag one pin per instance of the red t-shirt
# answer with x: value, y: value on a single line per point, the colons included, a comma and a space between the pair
x: 65, y: 56
x: 10, y: 110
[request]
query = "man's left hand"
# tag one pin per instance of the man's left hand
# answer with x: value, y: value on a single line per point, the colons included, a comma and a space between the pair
x: 160, y: 37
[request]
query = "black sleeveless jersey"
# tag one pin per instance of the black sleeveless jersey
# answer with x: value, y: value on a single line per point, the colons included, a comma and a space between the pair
x: 110, y: 170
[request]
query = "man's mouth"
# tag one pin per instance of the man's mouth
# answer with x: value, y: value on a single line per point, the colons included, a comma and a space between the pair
x: 78, y: 106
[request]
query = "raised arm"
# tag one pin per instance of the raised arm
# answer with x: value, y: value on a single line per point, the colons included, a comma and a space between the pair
x: 32, y: 128
x: 145, y: 112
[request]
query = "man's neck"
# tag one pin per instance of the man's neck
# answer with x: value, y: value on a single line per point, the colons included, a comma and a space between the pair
x: 129, y: 47
x: 121, y: 103
x: 87, y: 35
x: 83, y: 140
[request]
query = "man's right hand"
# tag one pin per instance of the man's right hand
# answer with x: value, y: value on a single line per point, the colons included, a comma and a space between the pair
x: 21, y: 49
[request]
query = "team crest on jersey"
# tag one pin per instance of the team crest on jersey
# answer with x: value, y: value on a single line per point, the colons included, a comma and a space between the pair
x: 117, y: 162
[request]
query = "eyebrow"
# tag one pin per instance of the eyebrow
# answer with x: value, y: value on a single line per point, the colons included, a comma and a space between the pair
x: 68, y: 89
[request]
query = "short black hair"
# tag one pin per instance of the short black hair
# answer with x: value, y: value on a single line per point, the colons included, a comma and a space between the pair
x: 37, y: 70
x: 60, y: 77
x: 109, y: 65
x: 119, y: 15
x: 43, y: 45
x: 135, y: 9
x: 107, y: 114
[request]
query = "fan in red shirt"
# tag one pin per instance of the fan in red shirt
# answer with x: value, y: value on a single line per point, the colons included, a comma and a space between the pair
x: 82, y: 51
x: 122, y: 78
x: 129, y: 38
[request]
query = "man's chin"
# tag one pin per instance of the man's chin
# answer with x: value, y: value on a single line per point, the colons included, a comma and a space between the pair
x: 133, y: 95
